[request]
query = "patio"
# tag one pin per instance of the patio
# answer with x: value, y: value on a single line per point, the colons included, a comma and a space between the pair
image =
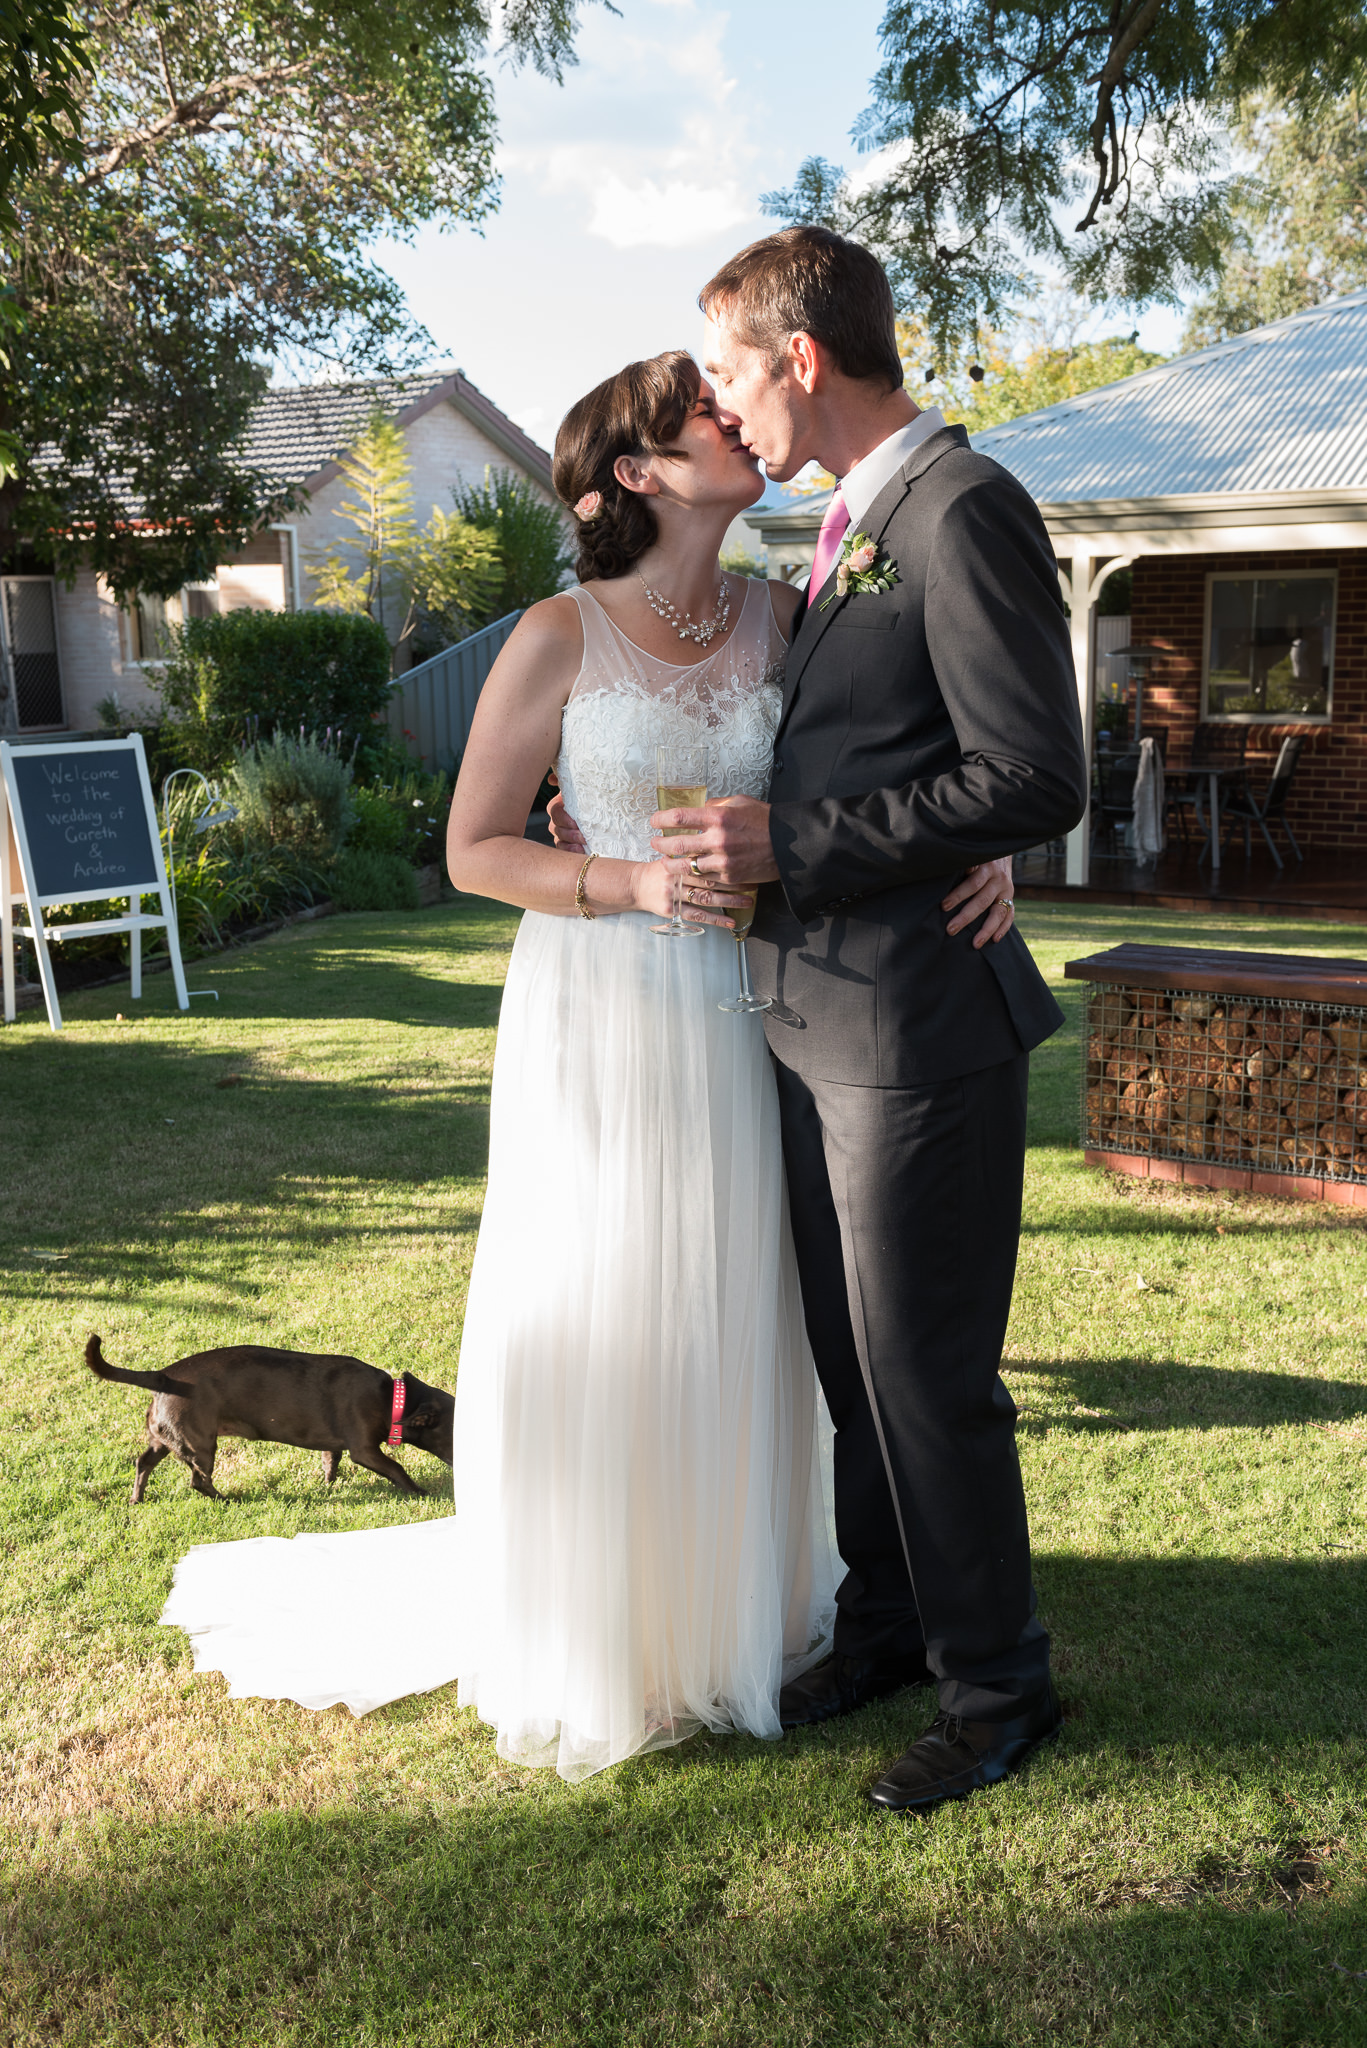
x: 1326, y: 884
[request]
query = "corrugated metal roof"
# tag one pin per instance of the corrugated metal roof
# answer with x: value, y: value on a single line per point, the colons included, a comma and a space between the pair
x: 1281, y: 408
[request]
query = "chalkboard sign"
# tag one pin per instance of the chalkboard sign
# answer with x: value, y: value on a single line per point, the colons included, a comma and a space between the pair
x: 77, y: 825
x: 86, y: 819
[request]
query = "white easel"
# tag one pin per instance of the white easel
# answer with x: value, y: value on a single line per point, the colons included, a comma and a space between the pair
x: 29, y: 887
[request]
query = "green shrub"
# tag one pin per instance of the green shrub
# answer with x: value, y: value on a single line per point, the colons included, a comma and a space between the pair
x: 404, y: 815
x: 740, y: 562
x: 294, y: 793
x: 368, y: 880
x: 245, y: 674
x: 533, y: 542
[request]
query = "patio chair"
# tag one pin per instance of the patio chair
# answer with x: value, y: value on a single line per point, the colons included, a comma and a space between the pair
x: 1241, y: 807
x: 1113, y: 798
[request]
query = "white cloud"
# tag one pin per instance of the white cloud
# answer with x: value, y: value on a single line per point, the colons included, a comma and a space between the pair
x: 658, y: 151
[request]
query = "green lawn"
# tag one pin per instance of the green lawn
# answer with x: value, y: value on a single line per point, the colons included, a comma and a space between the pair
x: 301, y: 1163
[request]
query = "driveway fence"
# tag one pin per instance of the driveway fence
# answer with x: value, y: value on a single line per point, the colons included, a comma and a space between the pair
x: 431, y: 707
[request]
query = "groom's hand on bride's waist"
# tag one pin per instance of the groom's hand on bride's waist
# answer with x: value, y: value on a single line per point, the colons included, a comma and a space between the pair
x: 564, y: 832
x: 986, y: 891
x: 728, y: 840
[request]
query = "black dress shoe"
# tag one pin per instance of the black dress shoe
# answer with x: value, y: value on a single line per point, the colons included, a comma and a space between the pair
x: 843, y: 1683
x: 956, y: 1757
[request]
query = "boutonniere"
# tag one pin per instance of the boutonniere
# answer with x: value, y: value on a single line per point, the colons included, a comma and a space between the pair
x: 861, y: 570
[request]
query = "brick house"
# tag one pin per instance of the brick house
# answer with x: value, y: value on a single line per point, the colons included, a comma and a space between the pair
x: 71, y: 649
x: 1232, y: 485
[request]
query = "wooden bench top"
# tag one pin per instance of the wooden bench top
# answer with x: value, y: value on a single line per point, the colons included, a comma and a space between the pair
x: 1280, y: 977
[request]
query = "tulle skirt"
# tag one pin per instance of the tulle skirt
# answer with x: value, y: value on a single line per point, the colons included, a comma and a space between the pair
x: 639, y: 1546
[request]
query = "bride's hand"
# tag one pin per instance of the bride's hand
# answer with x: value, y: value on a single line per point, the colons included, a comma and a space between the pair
x: 653, y: 890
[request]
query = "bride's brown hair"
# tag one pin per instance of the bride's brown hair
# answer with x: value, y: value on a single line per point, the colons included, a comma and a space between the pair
x: 640, y: 411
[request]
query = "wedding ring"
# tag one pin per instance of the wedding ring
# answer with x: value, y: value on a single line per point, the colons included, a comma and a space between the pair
x: 694, y: 869
x: 1006, y: 902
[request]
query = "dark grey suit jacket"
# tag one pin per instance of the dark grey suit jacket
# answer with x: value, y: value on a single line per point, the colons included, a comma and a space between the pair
x: 924, y: 729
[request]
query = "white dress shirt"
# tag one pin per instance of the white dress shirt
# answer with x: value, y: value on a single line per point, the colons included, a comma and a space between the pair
x: 862, y: 484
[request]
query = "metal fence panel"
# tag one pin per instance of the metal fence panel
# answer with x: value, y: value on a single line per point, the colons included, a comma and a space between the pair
x: 430, y: 708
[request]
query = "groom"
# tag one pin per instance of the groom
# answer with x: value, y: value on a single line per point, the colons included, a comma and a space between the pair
x: 929, y: 724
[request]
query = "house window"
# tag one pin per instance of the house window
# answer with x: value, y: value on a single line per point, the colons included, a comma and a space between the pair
x: 1270, y: 648
x: 150, y: 622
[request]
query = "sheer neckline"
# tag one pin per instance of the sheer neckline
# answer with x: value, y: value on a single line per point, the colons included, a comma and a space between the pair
x: 684, y: 667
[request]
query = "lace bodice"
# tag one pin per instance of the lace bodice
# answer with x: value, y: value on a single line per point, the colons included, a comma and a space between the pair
x: 626, y: 702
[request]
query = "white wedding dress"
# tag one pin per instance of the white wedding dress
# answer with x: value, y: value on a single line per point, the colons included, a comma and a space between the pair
x: 639, y: 1546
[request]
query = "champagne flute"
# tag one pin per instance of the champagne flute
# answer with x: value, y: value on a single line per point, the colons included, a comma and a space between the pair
x: 745, y: 1003
x: 680, y: 785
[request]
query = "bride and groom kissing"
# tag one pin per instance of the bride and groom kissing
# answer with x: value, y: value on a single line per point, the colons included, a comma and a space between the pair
x: 705, y: 1242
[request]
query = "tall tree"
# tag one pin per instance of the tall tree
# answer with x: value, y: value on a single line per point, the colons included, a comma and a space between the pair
x: 43, y: 54
x: 1084, y: 133
x: 438, y: 584
x: 204, y: 210
x: 1299, y: 216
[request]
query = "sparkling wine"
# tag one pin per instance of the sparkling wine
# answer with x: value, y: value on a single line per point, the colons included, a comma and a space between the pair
x: 679, y: 796
x: 742, y: 919
x: 681, y: 776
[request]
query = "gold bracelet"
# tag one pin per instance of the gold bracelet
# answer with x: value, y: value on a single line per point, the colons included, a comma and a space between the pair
x: 580, y: 903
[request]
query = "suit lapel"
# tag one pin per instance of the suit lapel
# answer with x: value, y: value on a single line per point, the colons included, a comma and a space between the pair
x: 814, y: 620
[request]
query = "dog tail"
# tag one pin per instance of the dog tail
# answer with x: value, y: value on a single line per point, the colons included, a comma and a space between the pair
x: 156, y: 1382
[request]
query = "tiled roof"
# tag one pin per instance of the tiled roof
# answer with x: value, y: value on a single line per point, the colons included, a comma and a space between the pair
x: 1282, y: 408
x: 296, y: 433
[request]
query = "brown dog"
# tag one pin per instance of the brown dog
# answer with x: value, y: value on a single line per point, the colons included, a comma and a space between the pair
x: 317, y: 1401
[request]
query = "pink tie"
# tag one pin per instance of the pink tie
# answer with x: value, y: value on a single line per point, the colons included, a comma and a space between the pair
x: 834, y: 526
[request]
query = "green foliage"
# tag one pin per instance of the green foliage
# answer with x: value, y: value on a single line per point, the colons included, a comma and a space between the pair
x: 406, y: 815
x: 997, y: 126
x: 739, y: 562
x: 1034, y: 360
x: 1299, y: 215
x: 453, y: 573
x: 205, y: 205
x: 440, y: 583
x: 365, y: 879
x: 45, y: 59
x: 294, y: 793
x: 531, y: 536
x: 366, y: 577
x: 246, y: 673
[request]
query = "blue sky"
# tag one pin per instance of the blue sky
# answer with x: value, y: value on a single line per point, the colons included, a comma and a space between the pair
x: 624, y: 189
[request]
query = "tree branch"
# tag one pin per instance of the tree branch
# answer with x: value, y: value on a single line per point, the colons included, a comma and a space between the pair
x: 1127, y: 34
x: 195, y: 116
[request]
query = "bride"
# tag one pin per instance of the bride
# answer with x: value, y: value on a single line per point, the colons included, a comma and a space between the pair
x: 639, y: 1543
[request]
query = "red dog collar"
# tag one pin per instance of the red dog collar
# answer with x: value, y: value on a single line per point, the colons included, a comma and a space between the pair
x: 396, y: 1413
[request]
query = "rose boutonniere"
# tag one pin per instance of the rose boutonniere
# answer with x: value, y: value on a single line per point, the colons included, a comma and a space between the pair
x: 861, y: 570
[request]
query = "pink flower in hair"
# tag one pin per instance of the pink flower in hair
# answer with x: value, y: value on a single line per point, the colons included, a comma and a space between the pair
x: 589, y: 506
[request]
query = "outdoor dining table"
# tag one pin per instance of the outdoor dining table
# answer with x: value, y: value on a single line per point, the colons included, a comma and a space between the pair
x: 1213, y: 776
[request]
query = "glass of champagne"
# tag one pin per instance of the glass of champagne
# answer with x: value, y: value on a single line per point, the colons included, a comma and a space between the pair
x: 745, y: 1002
x: 680, y: 785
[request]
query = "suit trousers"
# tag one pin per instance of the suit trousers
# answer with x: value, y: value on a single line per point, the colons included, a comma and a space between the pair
x: 906, y: 1207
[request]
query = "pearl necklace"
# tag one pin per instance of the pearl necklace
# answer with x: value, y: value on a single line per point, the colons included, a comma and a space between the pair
x: 705, y: 630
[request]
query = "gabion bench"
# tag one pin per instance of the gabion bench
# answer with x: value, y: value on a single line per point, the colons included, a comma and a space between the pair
x: 1227, y: 1070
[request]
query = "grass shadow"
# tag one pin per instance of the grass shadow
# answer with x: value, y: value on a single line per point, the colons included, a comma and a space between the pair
x: 1168, y: 1393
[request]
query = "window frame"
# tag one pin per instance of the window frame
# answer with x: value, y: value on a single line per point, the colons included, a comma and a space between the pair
x: 1326, y: 573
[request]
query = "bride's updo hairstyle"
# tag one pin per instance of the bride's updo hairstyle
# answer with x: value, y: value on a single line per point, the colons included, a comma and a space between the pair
x: 640, y: 411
